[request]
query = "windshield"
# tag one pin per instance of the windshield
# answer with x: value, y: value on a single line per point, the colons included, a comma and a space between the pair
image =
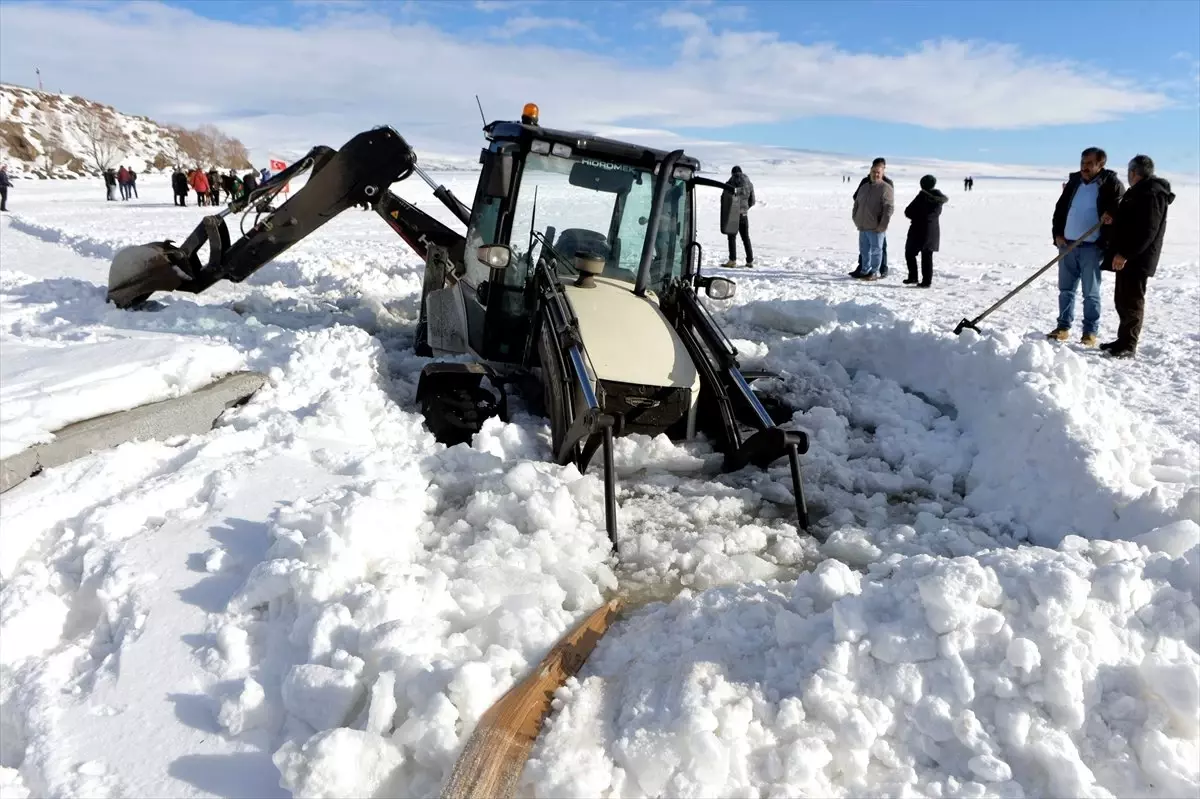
x: 587, y: 205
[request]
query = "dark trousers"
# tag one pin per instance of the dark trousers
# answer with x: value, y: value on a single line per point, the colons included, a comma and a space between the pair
x: 882, y: 264
x: 744, y: 232
x: 1129, y: 297
x: 910, y: 258
x: 3, y: 198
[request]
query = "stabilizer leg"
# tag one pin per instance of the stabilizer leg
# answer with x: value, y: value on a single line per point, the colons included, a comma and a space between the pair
x: 610, y: 488
x: 798, y: 487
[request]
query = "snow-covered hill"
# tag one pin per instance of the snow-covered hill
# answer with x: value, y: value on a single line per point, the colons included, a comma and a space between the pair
x: 44, y: 134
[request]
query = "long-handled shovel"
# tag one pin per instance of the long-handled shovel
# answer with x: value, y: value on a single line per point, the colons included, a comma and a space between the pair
x: 971, y: 323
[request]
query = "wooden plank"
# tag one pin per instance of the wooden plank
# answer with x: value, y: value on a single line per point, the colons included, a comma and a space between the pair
x: 492, y: 761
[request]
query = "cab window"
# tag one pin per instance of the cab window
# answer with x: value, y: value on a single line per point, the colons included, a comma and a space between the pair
x: 484, y: 230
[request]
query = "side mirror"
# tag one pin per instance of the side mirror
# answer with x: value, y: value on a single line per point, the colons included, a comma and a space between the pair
x: 497, y: 169
x: 720, y: 288
x: 496, y: 256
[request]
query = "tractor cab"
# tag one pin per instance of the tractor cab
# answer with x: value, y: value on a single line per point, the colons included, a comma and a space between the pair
x: 599, y: 212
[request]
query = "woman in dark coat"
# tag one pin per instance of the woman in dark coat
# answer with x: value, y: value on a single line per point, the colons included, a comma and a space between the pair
x: 179, y: 184
x: 925, y: 232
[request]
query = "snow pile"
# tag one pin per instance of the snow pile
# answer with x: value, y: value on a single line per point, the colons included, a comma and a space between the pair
x: 1014, y: 673
x: 401, y: 606
x: 1035, y: 445
x: 46, y: 387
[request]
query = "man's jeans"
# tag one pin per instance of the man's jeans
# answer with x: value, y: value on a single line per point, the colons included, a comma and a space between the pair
x: 1080, y: 265
x: 883, y: 267
x: 870, y: 250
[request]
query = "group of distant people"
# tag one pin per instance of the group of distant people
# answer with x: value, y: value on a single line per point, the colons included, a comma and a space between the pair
x: 123, y: 179
x: 873, y: 204
x: 1097, y: 226
x: 209, y: 185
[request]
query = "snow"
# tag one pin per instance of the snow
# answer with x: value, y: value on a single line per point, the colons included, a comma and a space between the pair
x: 44, y: 387
x: 317, y: 599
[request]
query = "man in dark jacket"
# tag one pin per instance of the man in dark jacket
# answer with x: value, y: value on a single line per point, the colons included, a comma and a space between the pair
x: 742, y: 191
x: 179, y: 186
x: 1089, y: 197
x: 883, y: 267
x: 1135, y: 241
x: 925, y: 231
x: 214, y: 187
x: 5, y: 182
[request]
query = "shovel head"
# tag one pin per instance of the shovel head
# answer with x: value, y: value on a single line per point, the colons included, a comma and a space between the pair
x: 139, y: 271
x: 963, y: 325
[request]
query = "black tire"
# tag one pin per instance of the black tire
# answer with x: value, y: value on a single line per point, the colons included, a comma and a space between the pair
x: 454, y: 415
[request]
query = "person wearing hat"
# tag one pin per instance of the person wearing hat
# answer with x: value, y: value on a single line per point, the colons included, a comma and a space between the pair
x: 924, y: 231
x: 742, y: 194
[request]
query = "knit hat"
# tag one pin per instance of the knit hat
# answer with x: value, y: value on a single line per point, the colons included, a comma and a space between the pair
x: 928, y: 182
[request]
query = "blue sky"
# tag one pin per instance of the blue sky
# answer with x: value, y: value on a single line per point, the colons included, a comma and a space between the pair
x: 1015, y: 82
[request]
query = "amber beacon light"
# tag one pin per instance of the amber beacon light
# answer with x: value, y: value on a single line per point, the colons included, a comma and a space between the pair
x: 529, y: 114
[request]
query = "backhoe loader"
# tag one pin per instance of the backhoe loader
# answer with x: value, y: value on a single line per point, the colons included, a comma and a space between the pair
x: 576, y: 281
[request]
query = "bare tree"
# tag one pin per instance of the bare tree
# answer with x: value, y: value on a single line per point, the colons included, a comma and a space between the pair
x: 208, y: 146
x: 209, y: 138
x: 234, y: 154
x: 180, y: 145
x: 102, y: 140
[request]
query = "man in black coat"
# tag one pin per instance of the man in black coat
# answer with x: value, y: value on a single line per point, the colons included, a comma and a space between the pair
x: 179, y: 186
x: 740, y: 192
x: 1088, y: 197
x: 925, y: 231
x: 883, y: 268
x: 5, y: 182
x: 1135, y: 241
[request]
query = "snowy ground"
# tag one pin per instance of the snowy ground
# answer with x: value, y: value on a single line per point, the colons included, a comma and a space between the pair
x: 316, y: 599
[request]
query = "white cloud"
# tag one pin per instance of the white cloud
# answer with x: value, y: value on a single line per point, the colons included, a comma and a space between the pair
x: 491, y: 6
x: 526, y: 23
x: 285, y: 88
x: 717, y: 12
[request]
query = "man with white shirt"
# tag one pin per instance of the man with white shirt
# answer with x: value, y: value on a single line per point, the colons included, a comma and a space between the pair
x: 1089, y: 195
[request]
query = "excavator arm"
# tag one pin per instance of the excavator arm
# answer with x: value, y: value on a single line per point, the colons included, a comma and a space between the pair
x: 359, y: 174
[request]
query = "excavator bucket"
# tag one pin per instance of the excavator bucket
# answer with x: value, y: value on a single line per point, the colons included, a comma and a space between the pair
x: 139, y: 271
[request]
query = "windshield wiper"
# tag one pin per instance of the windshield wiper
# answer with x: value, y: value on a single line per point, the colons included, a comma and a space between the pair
x: 546, y: 246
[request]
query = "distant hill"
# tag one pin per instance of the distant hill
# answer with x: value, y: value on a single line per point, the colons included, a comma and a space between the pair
x: 50, y: 135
